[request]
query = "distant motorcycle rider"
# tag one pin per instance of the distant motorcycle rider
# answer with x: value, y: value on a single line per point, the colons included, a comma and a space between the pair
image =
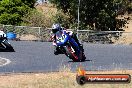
x: 2, y: 34
x: 57, y: 27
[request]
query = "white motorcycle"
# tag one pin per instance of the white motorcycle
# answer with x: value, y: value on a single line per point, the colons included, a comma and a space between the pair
x: 5, y: 46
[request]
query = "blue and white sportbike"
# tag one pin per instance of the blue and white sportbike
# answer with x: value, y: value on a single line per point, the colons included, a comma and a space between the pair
x: 69, y: 47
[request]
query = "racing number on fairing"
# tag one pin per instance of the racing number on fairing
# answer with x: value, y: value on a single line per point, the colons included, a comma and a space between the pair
x: 60, y: 39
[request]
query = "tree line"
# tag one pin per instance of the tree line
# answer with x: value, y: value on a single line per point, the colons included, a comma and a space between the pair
x: 94, y: 14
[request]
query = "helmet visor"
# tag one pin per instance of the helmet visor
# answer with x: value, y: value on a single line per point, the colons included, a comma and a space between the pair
x: 54, y: 30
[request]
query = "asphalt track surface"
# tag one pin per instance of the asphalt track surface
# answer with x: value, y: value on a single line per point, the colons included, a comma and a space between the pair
x: 38, y: 57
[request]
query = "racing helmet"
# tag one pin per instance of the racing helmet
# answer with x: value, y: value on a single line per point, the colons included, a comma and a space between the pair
x: 56, y: 27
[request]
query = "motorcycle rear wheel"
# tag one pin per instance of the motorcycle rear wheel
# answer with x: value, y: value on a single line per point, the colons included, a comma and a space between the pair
x: 82, y: 56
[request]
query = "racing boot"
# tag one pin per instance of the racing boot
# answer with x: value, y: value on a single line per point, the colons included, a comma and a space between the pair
x: 57, y: 51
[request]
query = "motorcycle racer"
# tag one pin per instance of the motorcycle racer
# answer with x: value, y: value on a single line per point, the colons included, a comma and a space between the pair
x: 5, y: 46
x: 57, y: 27
x: 2, y: 34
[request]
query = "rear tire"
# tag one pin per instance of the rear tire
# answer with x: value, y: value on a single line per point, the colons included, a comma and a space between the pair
x: 82, y: 56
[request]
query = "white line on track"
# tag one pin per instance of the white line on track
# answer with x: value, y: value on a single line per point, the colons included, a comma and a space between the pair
x: 4, y: 61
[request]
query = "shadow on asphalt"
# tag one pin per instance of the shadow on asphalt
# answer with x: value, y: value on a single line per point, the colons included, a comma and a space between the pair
x: 78, y: 62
